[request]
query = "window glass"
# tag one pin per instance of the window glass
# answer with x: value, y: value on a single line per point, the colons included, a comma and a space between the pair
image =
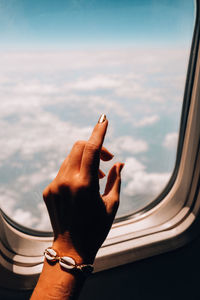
x: 62, y: 64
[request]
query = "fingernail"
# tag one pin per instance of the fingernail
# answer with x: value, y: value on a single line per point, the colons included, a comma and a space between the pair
x: 102, y: 118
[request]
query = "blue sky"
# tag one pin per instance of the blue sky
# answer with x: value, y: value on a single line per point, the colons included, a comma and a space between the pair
x: 76, y: 23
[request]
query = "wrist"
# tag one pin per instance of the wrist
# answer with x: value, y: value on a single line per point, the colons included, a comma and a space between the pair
x: 68, y: 263
x: 66, y: 249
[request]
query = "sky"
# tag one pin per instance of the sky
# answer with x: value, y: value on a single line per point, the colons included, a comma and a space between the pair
x: 94, y: 23
x: 63, y: 63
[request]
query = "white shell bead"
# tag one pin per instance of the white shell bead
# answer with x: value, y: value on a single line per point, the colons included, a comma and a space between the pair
x: 67, y: 262
x: 51, y: 252
x: 49, y: 257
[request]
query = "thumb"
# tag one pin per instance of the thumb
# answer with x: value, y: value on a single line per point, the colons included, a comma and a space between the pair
x: 112, y: 189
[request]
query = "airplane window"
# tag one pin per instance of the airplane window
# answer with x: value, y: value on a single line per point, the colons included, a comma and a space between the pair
x: 63, y: 63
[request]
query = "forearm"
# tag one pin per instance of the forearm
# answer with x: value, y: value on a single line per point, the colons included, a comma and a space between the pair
x: 55, y: 283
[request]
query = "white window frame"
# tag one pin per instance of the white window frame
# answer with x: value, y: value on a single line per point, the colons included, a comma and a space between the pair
x: 169, y: 224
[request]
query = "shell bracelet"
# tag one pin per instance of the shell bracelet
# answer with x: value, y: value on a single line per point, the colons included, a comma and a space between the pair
x: 67, y: 262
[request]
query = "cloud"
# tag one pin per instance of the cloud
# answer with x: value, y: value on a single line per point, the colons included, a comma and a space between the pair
x: 93, y: 83
x: 150, y: 120
x: 136, y: 90
x: 146, y: 183
x: 112, y: 79
x: 132, y: 166
x: 52, y: 61
x: 139, y: 181
x: 24, y: 217
x: 27, y: 217
x: 8, y: 200
x: 171, y: 140
x: 128, y: 144
x: 39, y: 132
x: 49, y: 100
x: 43, y: 220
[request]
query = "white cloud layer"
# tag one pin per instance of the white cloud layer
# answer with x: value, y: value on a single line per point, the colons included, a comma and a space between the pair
x: 150, y: 120
x: 171, y: 140
x: 8, y: 201
x: 49, y: 100
x: 128, y: 144
x: 139, y: 181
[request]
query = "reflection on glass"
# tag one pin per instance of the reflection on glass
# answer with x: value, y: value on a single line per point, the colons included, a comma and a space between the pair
x: 63, y: 63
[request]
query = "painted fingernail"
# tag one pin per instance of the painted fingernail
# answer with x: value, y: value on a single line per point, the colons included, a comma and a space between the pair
x: 102, y: 118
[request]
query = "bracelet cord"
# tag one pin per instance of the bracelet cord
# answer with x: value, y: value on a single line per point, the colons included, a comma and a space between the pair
x: 66, y: 262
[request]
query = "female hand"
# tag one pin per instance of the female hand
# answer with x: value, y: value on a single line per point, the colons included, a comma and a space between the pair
x: 81, y: 218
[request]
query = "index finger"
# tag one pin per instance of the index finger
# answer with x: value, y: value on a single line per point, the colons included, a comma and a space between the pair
x: 99, y: 131
x: 91, y: 154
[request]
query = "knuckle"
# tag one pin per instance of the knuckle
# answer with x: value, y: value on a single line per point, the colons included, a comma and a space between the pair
x: 63, y: 185
x: 82, y: 183
x: 53, y: 189
x: 46, y: 193
x: 90, y: 147
x: 57, y: 186
x: 79, y: 144
x: 50, y: 190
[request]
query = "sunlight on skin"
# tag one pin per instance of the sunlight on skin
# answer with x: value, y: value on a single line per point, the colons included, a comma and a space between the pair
x: 81, y: 218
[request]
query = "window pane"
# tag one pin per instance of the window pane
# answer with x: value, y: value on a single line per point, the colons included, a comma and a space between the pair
x: 63, y: 63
